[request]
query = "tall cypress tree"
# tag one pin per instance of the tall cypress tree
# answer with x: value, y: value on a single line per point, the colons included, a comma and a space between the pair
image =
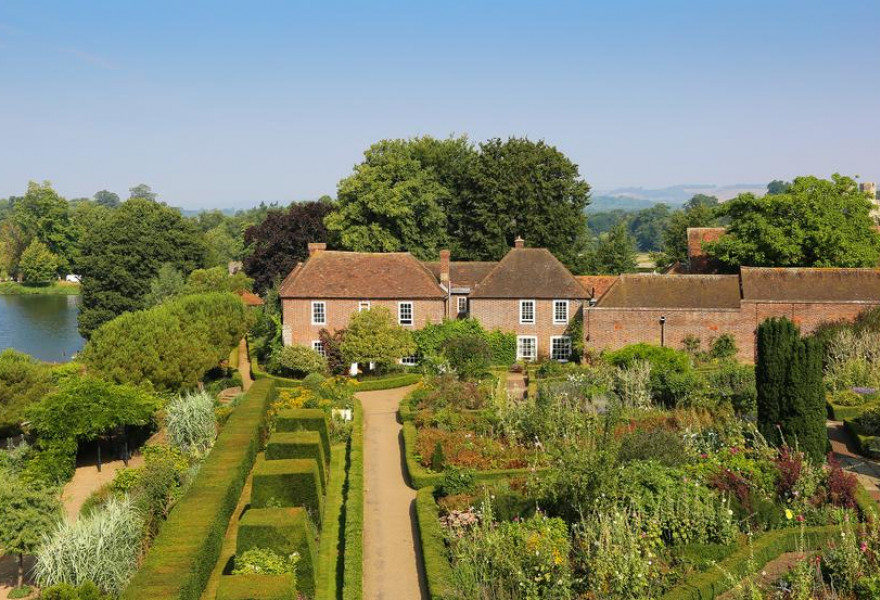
x: 788, y: 374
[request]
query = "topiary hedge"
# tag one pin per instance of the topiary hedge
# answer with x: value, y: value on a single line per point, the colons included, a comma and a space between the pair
x: 298, y: 444
x: 256, y: 587
x: 305, y: 419
x: 285, y: 531
x: 438, y: 569
x: 387, y: 383
x: 742, y: 562
x: 291, y: 482
x: 184, y: 553
x: 353, y: 549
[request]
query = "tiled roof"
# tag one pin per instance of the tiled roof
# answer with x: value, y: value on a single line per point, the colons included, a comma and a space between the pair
x: 596, y: 285
x: 810, y: 285
x: 673, y: 291
x: 250, y: 298
x: 330, y: 274
x: 529, y: 273
x: 463, y: 274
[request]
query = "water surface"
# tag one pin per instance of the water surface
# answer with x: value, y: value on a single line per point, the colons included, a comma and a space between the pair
x: 43, y: 326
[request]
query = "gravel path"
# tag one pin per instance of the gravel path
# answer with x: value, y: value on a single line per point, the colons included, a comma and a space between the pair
x: 391, y: 551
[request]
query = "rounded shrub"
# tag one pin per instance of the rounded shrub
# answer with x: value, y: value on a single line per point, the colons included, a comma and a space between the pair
x: 300, y: 361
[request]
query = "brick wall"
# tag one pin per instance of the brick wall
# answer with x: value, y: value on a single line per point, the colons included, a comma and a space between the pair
x: 297, y: 316
x: 613, y: 328
x: 504, y: 315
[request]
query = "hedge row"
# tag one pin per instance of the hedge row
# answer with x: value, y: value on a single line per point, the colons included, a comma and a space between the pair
x: 387, y: 383
x: 740, y: 564
x: 298, y: 444
x: 420, y: 477
x: 256, y: 587
x: 305, y: 419
x: 846, y: 413
x: 862, y: 441
x: 353, y: 548
x: 185, y: 552
x: 330, y: 551
x: 438, y: 569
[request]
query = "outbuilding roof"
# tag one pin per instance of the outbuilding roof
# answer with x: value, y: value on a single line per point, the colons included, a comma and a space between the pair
x: 650, y: 290
x: 529, y: 273
x: 596, y: 285
x: 463, y: 274
x: 332, y: 274
x: 810, y: 285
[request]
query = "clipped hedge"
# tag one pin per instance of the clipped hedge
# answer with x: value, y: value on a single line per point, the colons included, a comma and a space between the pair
x: 305, y: 419
x: 285, y: 531
x: 387, y: 383
x: 256, y: 587
x: 353, y: 549
x: 420, y: 477
x: 741, y: 563
x: 862, y: 441
x: 298, y: 444
x: 438, y: 569
x: 186, y: 550
x: 331, y: 547
x: 846, y: 413
x: 291, y: 482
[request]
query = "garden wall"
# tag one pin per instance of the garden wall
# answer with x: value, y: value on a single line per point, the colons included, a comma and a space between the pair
x: 183, y: 555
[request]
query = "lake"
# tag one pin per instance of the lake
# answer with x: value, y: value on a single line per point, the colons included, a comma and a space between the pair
x: 43, y: 326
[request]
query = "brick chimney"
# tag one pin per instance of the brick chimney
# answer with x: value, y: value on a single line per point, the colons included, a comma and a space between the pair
x: 315, y: 247
x: 519, y: 242
x: 444, y: 268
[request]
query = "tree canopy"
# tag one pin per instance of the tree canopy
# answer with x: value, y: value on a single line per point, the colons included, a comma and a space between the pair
x: 123, y: 252
x: 372, y: 336
x: 614, y: 253
x: 815, y: 223
x: 23, y: 381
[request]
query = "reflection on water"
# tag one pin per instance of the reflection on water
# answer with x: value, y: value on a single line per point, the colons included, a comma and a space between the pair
x: 43, y: 326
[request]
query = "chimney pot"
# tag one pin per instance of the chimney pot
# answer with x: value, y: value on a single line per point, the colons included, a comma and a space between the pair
x: 315, y: 247
x: 519, y: 242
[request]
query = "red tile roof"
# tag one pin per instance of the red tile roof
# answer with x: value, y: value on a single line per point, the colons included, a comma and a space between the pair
x: 250, y: 298
x: 673, y: 291
x: 331, y: 274
x: 529, y: 273
x: 810, y: 285
x: 596, y: 285
x: 463, y: 274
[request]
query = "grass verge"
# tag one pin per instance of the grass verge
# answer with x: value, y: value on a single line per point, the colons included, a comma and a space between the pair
x: 57, y: 288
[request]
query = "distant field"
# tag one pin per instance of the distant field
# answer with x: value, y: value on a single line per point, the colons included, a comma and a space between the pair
x: 60, y: 288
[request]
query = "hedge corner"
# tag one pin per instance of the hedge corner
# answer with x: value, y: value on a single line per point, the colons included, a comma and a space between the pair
x: 286, y: 483
x: 256, y: 587
x: 305, y: 419
x: 298, y: 444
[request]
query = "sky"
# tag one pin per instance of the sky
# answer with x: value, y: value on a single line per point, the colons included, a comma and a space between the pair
x: 227, y: 104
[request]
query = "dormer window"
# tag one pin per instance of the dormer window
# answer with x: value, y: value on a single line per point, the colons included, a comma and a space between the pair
x: 527, y: 312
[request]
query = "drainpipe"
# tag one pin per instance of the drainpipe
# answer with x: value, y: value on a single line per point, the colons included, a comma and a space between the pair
x: 663, y: 331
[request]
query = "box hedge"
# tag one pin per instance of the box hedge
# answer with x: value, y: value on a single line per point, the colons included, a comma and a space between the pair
x: 285, y: 531
x: 846, y: 413
x: 256, y: 587
x: 438, y: 569
x: 353, y: 534
x: 862, y: 442
x: 290, y: 482
x: 298, y: 444
x: 305, y: 419
x: 186, y: 550
x: 388, y: 383
x: 741, y: 563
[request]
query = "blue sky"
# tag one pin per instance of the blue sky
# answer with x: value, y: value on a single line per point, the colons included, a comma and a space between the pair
x: 232, y: 103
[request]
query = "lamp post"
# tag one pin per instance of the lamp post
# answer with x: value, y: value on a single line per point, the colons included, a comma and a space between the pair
x: 663, y: 331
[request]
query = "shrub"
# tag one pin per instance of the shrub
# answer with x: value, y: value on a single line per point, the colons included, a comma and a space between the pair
x: 503, y: 347
x: 186, y: 550
x: 672, y: 378
x: 64, y: 591
x: 848, y: 398
x: 736, y: 384
x: 373, y: 336
x: 438, y: 459
x: 287, y: 483
x: 102, y: 547
x: 299, y: 361
x: 264, y: 562
x: 298, y: 444
x: 633, y: 384
x: 723, y: 347
x: 285, y: 532
x: 332, y: 350
x: 191, y: 424
x: 23, y: 382
x: 457, y: 481
x: 661, y: 445
x: 468, y: 355
x: 869, y: 421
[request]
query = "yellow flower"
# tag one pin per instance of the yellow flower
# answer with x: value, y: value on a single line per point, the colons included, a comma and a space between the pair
x: 788, y: 514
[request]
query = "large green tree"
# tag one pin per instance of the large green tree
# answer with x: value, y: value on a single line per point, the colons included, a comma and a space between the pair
x: 791, y: 397
x: 614, y: 253
x: 124, y: 251
x: 372, y: 336
x: 23, y: 381
x: 37, y: 263
x: 41, y: 214
x: 520, y: 187
x: 392, y: 202
x: 27, y: 512
x: 698, y: 212
x: 815, y: 223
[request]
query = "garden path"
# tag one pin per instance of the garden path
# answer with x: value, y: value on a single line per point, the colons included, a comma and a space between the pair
x: 87, y: 480
x: 244, y: 365
x: 867, y: 470
x: 392, y: 562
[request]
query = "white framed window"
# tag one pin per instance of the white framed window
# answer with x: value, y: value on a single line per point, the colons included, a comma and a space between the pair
x: 560, y: 347
x: 405, y: 313
x: 319, y: 313
x: 363, y: 305
x: 560, y: 312
x: 526, y: 347
x: 527, y: 312
x: 462, y: 305
x: 318, y: 346
x: 409, y: 361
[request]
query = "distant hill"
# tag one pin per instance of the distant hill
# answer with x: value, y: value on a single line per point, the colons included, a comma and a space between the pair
x: 637, y: 198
